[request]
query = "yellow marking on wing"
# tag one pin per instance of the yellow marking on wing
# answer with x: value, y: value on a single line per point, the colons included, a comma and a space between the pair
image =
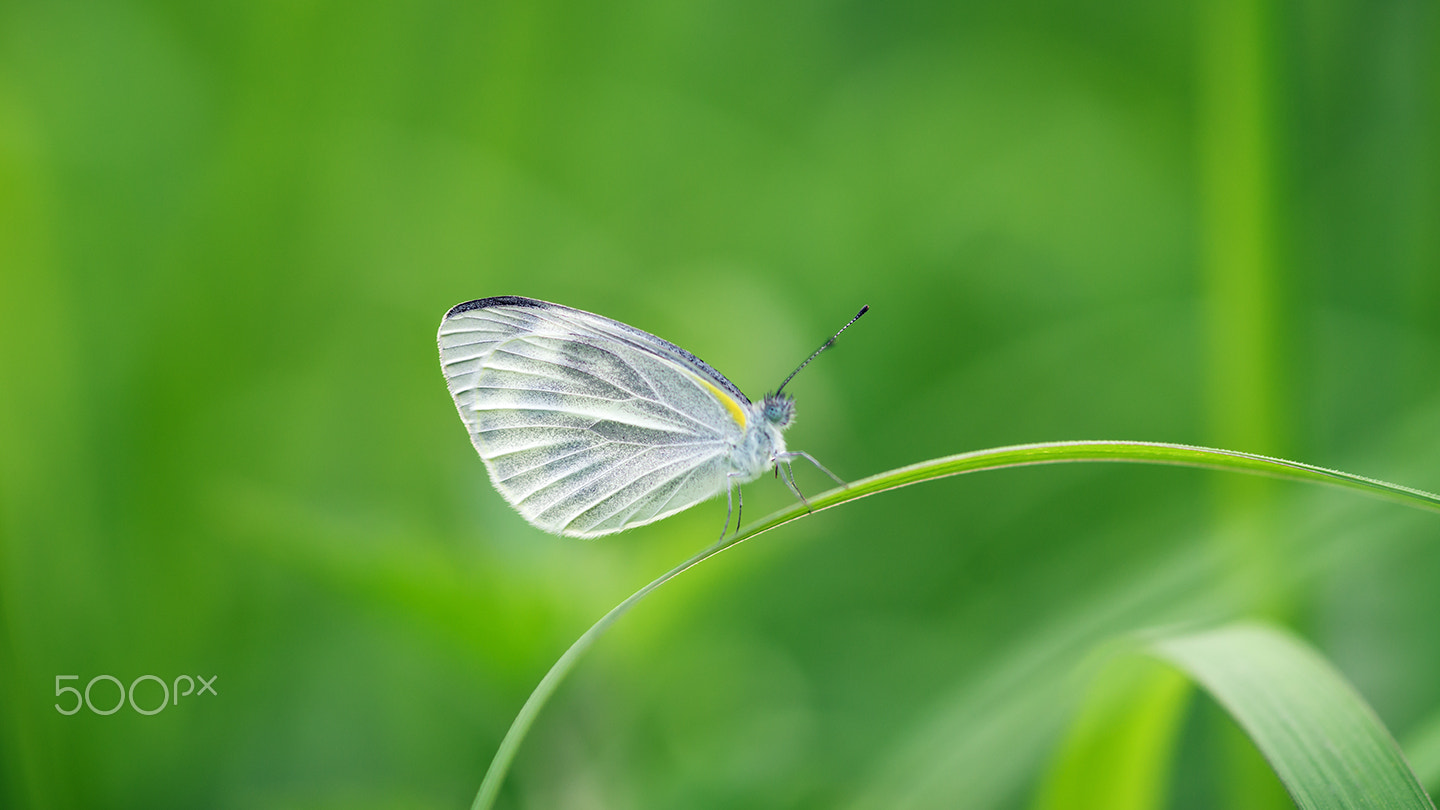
x: 736, y: 412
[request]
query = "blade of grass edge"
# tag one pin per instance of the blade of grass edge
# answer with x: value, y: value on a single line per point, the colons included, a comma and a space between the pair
x: 1422, y: 747
x: 1318, y: 734
x: 975, y: 461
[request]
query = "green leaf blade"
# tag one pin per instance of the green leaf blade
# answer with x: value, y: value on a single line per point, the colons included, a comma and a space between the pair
x: 1119, y: 751
x: 1319, y: 735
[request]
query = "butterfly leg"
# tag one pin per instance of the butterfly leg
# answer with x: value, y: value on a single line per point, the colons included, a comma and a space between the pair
x: 802, y: 454
x: 789, y: 478
x: 732, y: 493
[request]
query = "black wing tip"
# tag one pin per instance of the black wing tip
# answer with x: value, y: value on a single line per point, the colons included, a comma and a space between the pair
x: 496, y: 301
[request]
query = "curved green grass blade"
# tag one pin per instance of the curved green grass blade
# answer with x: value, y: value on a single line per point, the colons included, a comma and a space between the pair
x: 1119, y: 752
x: 979, y: 460
x: 1322, y: 739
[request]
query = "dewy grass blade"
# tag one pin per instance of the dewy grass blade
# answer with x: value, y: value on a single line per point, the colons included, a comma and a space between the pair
x: 977, y: 461
x: 1319, y: 735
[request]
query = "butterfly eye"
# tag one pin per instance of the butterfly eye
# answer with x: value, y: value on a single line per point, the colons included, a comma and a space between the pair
x: 779, y: 410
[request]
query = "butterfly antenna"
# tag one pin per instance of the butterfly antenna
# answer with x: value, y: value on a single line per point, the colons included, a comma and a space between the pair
x: 826, y: 345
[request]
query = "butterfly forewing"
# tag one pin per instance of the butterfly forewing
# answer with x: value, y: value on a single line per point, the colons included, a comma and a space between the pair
x: 587, y: 426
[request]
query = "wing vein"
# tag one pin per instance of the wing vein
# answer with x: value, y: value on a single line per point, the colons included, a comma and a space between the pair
x: 631, y: 481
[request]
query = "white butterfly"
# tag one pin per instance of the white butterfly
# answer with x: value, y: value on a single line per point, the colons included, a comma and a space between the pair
x: 589, y: 426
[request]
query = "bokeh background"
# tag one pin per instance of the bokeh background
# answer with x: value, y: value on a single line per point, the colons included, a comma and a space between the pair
x: 228, y: 232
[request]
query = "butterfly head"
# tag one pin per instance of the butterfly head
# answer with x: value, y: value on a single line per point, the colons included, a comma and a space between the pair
x: 778, y: 410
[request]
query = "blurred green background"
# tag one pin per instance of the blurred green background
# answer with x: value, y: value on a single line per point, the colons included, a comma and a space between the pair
x: 228, y: 232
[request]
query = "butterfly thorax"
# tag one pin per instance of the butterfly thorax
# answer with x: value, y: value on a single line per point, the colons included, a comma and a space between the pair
x: 759, y: 444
